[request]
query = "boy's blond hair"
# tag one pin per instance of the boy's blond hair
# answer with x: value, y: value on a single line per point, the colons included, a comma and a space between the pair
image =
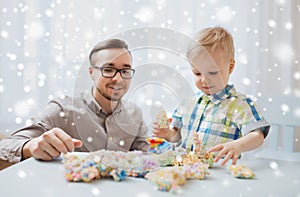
x: 211, y: 37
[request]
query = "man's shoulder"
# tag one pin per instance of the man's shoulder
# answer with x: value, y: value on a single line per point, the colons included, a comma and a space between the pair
x: 64, y: 99
x: 67, y: 101
x: 130, y: 107
x: 129, y: 104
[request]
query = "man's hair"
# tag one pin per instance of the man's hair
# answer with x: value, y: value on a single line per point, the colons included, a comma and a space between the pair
x: 211, y: 37
x: 108, y: 44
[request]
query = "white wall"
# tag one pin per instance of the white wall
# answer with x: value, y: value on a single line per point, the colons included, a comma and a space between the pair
x: 44, y: 46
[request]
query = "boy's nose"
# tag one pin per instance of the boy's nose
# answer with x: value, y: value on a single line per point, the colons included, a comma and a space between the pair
x: 204, y: 79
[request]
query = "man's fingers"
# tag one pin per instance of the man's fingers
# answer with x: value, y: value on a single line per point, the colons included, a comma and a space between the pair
x: 77, y: 143
x: 50, y: 150
x: 41, y: 154
x: 68, y: 144
x: 59, y: 145
x: 51, y: 144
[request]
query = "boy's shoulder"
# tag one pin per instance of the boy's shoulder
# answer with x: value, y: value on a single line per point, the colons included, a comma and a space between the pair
x: 243, y: 97
x: 242, y: 100
x: 240, y: 96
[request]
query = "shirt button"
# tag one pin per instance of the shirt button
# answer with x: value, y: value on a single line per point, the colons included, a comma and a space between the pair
x: 110, y: 138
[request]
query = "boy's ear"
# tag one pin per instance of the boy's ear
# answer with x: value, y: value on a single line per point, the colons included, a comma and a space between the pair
x: 231, y: 66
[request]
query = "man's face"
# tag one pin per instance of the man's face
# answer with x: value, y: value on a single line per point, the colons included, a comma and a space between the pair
x: 110, y: 88
x: 211, y: 69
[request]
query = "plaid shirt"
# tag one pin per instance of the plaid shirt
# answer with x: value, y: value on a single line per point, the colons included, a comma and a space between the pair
x: 221, y: 117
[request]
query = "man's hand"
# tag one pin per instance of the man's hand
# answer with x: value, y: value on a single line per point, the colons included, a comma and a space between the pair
x: 50, y: 145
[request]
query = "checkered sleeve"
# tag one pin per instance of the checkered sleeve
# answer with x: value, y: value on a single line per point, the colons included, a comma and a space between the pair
x: 177, y: 118
x: 251, y: 118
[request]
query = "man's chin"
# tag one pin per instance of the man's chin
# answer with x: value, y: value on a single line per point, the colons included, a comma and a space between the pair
x: 115, y: 97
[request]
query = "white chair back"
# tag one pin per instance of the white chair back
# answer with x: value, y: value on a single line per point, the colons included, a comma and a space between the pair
x: 283, y: 140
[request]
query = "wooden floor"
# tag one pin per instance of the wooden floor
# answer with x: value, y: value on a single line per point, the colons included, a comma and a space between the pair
x: 4, y: 164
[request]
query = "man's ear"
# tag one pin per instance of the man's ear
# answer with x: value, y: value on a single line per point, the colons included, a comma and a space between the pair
x: 231, y: 66
x: 91, y: 72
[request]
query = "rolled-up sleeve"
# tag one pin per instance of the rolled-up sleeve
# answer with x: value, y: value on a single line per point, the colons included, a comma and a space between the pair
x: 11, y: 147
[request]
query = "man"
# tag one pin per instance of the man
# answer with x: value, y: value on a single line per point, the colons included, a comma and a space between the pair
x: 98, y: 120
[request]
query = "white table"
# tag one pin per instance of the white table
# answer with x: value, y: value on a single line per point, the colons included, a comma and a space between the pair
x: 36, y: 178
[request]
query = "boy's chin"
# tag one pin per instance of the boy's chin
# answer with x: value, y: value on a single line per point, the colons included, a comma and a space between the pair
x: 212, y: 91
x: 207, y: 91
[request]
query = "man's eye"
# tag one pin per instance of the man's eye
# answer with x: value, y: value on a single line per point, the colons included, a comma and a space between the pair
x: 125, y: 71
x: 109, y: 70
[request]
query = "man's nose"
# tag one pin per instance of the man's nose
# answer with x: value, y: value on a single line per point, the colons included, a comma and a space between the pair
x: 117, y: 76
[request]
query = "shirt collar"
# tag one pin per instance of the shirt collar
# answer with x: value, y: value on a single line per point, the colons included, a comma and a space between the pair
x: 220, y: 96
x: 93, y: 104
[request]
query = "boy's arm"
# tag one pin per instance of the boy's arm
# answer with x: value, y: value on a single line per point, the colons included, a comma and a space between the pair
x: 173, y: 132
x: 233, y: 149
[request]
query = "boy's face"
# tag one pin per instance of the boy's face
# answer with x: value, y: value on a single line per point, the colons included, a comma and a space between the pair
x: 211, y: 70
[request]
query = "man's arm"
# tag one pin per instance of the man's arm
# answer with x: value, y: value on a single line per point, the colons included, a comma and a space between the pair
x: 11, y: 148
x: 50, y: 145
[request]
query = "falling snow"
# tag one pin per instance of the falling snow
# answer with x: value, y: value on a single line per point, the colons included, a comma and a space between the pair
x: 22, y: 174
x: 90, y: 139
x: 44, y: 53
x: 96, y: 191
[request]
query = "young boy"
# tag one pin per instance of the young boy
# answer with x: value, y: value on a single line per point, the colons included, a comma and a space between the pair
x: 227, y: 121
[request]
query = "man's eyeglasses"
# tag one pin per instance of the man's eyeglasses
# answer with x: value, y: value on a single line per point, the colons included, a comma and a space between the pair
x: 109, y: 72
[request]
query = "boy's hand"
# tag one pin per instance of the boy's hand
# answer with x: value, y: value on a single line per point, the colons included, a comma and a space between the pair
x: 50, y: 145
x: 165, y: 133
x: 229, y: 150
x: 160, y: 132
x: 233, y: 149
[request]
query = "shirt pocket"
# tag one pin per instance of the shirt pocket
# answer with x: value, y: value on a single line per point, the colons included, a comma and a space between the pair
x: 123, y: 141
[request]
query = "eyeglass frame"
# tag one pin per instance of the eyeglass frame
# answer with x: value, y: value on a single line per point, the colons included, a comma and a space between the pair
x: 116, y: 71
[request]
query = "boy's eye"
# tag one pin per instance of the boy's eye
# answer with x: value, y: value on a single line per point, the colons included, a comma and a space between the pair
x: 197, y: 74
x: 213, y: 73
